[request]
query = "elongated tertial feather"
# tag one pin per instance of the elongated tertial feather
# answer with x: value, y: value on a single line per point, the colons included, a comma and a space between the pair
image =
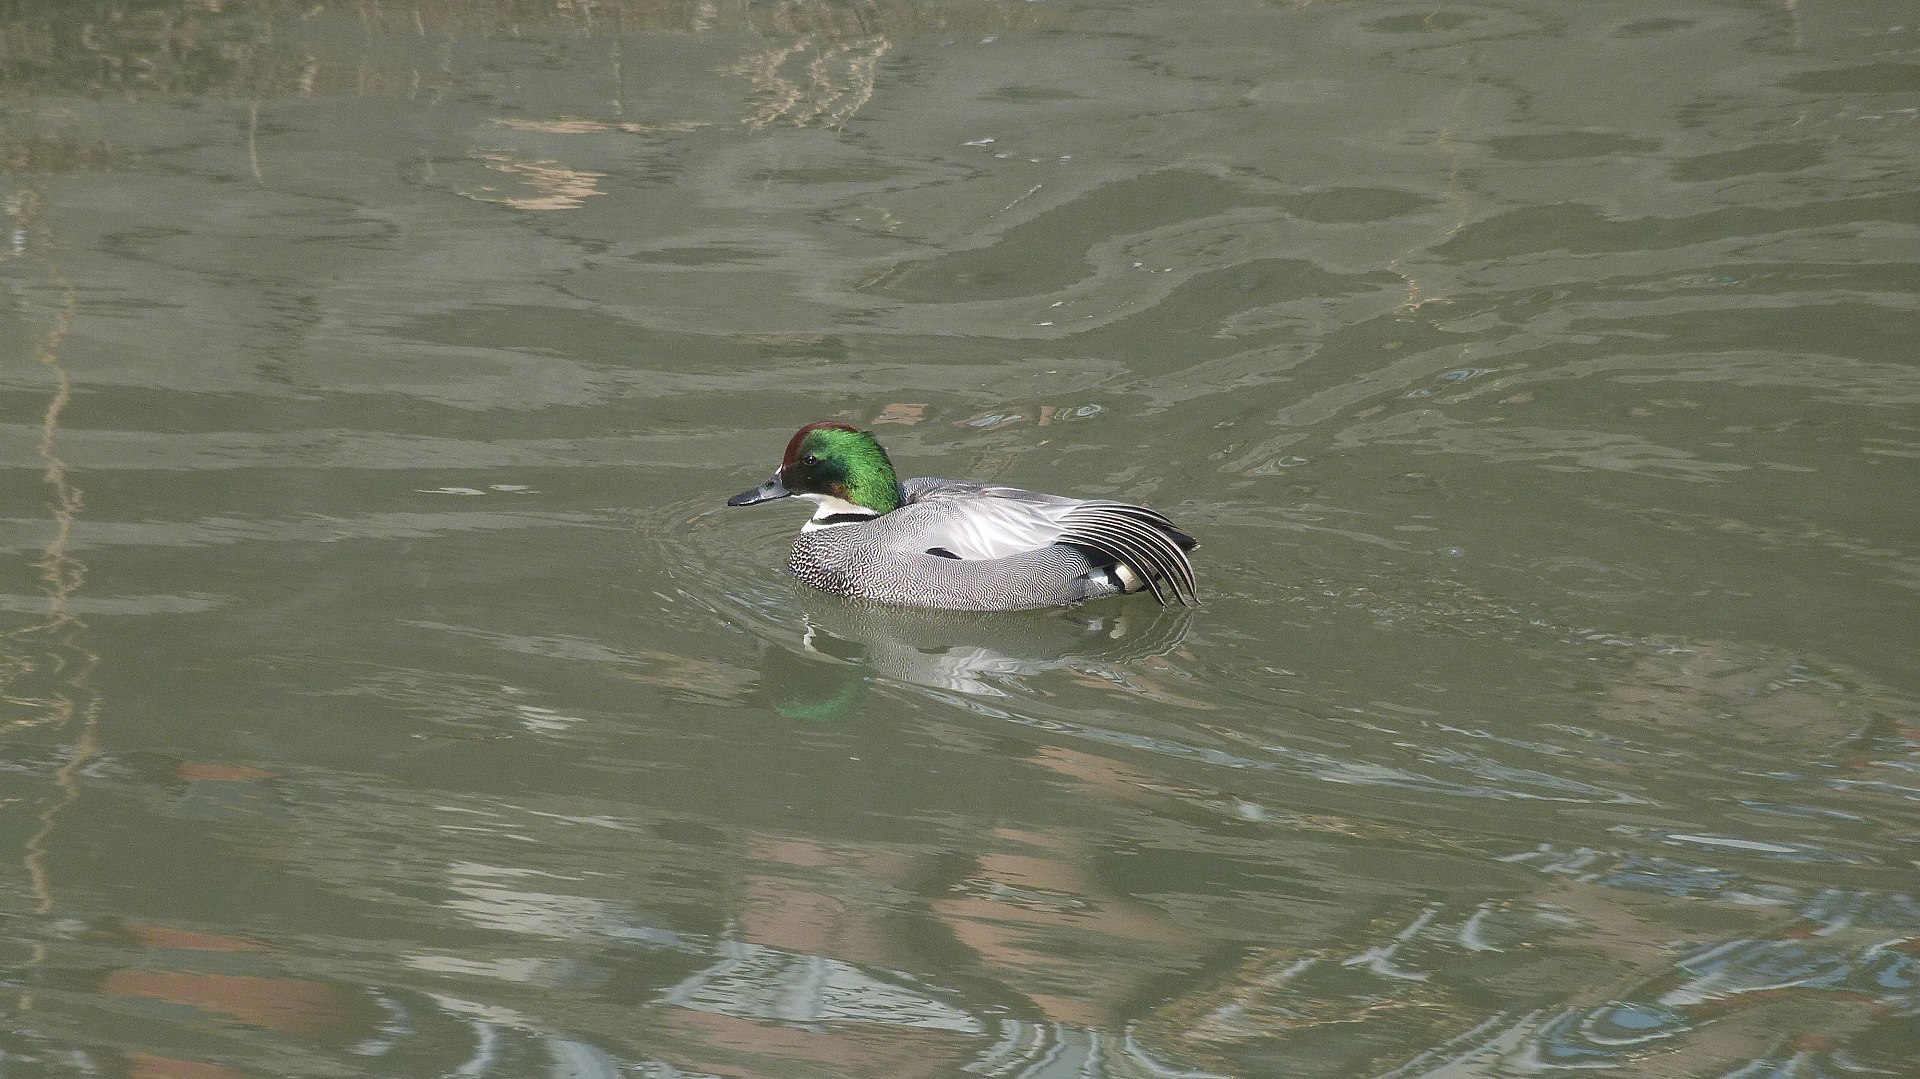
x: 1141, y: 539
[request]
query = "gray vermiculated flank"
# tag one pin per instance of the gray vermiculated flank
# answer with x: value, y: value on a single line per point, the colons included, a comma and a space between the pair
x: 888, y: 558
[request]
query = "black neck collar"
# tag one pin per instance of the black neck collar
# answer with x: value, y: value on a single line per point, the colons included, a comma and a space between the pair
x: 844, y: 518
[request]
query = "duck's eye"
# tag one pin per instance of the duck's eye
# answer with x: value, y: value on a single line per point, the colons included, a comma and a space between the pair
x: 812, y: 460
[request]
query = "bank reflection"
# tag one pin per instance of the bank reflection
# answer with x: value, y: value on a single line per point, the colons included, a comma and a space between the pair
x: 1016, y: 894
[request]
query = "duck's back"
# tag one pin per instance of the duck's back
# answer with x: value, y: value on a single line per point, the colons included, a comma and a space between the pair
x: 959, y: 546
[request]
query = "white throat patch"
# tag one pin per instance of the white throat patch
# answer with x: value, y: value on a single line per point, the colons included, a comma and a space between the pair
x: 826, y: 506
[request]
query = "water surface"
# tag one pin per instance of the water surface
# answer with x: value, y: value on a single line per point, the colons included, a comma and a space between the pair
x: 386, y: 691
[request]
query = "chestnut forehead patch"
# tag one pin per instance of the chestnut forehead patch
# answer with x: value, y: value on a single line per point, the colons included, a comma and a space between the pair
x: 800, y: 437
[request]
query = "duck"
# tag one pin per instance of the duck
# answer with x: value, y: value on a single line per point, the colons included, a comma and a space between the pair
x: 960, y: 546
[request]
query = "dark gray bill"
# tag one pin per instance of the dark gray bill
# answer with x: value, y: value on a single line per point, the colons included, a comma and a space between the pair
x: 766, y: 492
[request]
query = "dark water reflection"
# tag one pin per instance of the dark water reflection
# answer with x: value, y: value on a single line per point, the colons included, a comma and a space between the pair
x: 385, y: 691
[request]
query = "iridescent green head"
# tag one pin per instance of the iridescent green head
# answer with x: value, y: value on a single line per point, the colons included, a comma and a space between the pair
x: 838, y: 466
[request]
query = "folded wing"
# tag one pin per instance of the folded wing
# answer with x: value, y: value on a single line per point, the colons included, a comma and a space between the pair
x: 977, y: 522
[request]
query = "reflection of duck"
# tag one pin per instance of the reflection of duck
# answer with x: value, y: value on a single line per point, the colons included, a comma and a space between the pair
x: 962, y: 546
x: 948, y: 650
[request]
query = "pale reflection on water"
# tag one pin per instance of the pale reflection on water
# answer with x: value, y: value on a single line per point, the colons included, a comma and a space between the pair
x: 384, y: 690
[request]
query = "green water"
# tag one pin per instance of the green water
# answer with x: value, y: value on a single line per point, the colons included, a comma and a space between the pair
x: 385, y: 689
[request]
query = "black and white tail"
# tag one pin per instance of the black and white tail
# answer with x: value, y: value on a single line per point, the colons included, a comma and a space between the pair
x: 1140, y: 542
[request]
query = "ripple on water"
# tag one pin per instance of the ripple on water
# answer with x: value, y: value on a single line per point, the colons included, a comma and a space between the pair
x: 732, y: 565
